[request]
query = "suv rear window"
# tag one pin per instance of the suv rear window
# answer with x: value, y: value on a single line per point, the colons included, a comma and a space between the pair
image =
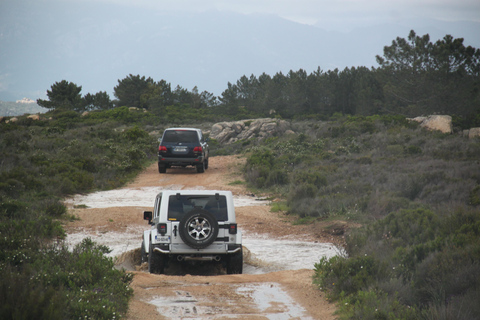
x: 179, y: 205
x: 184, y: 136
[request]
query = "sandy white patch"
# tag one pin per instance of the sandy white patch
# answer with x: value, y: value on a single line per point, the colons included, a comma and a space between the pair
x: 142, y: 197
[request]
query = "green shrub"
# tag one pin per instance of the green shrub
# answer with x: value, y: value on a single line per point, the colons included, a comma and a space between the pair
x: 82, y: 283
x: 22, y: 298
x: 276, y: 177
x: 310, y: 177
x: 279, y: 207
x: 135, y: 133
x: 474, y: 196
x: 374, y: 305
x: 302, y: 191
x: 261, y: 159
x: 341, y: 275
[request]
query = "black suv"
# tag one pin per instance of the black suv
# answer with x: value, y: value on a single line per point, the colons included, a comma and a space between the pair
x: 183, y: 147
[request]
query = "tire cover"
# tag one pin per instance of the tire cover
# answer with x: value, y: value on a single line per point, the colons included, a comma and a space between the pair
x: 198, y: 228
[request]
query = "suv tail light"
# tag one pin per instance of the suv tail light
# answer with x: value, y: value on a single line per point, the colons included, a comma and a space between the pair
x: 198, y: 149
x: 232, y: 229
x: 162, y: 228
x: 162, y: 149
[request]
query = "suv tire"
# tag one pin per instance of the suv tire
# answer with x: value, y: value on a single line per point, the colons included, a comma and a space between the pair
x: 201, y: 167
x: 162, y: 168
x: 156, y: 261
x: 198, y: 228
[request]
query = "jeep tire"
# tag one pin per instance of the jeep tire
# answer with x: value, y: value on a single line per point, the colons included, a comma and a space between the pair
x: 198, y: 228
x: 156, y: 261
x: 143, y: 253
x: 235, y: 263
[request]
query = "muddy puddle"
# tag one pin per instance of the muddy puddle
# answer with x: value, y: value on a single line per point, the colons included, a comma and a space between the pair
x: 262, y: 254
x: 268, y: 299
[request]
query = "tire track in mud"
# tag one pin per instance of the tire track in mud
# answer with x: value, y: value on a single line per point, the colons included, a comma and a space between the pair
x: 279, y: 288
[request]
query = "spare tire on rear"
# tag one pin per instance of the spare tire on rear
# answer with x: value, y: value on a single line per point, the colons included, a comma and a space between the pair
x: 198, y: 228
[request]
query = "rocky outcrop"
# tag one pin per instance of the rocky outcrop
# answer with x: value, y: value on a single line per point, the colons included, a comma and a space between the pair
x: 472, y: 133
x: 230, y: 132
x: 34, y: 117
x: 436, y: 122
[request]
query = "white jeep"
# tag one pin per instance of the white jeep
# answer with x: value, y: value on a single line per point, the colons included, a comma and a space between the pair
x: 192, y: 226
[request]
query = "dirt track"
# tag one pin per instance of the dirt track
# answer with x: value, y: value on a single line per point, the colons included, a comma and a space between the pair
x: 287, y: 294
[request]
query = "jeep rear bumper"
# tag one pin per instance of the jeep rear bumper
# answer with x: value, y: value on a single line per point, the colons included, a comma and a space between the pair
x: 185, y: 250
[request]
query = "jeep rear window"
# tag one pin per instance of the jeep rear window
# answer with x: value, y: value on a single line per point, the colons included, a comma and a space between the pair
x: 184, y: 136
x: 178, y: 206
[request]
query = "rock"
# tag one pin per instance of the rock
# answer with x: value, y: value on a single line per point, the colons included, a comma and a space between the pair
x: 289, y: 132
x: 441, y: 123
x: 473, y: 133
x: 230, y: 132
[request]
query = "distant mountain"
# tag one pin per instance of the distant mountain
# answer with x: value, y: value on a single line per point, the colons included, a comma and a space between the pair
x: 20, y: 107
x: 96, y: 45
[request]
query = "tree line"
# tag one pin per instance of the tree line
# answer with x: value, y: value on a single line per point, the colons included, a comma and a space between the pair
x: 415, y: 77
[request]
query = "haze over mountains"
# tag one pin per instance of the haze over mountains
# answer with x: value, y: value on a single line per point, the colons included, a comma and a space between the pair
x: 94, y: 45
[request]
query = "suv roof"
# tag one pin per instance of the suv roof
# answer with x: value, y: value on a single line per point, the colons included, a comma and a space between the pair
x: 199, y: 131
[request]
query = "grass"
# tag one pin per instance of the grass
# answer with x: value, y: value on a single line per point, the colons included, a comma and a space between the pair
x: 236, y: 183
x: 279, y: 206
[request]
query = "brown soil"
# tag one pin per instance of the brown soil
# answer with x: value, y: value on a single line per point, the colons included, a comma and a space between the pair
x: 218, y: 292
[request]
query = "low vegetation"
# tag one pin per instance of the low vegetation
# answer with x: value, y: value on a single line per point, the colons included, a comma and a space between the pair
x: 41, y: 163
x: 416, y: 194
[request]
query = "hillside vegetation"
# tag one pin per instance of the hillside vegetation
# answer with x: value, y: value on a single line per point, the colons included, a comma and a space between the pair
x: 417, y: 195
x: 41, y: 163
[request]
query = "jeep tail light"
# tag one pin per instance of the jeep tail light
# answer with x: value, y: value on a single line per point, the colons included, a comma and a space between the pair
x: 162, y: 149
x: 162, y: 228
x: 232, y: 229
x: 198, y: 149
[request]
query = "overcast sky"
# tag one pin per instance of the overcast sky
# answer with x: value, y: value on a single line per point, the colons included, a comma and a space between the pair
x: 333, y: 14
x: 23, y: 63
x: 342, y: 15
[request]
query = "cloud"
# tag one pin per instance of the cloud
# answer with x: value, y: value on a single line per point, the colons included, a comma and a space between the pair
x: 340, y: 14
